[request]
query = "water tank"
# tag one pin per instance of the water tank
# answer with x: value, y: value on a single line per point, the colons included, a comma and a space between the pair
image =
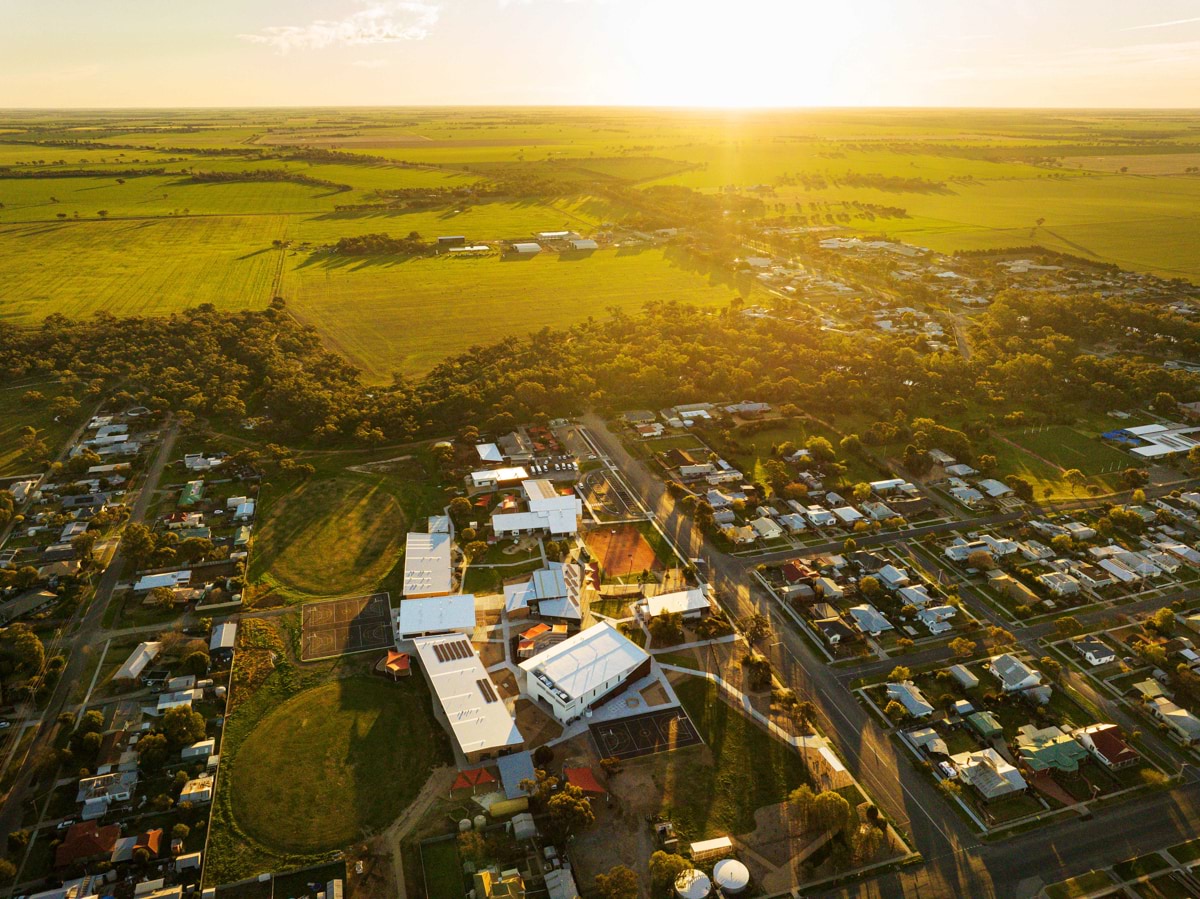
x: 731, y: 876
x: 692, y: 884
x: 480, y: 821
x: 464, y: 825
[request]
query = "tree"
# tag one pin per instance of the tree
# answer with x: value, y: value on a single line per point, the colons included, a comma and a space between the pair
x: 981, y: 560
x: 756, y: 627
x: 1021, y: 487
x: 861, y: 492
x: 18, y: 840
x: 870, y: 587
x: 1162, y: 622
x: 895, y: 711
x: 830, y: 811
x: 474, y: 549
x: 758, y: 670
x: 820, y: 449
x: 542, y: 756
x: 84, y: 544
x: 619, y: 883
x: 570, y: 809
x: 22, y: 656
x: 665, y: 868
x: 1075, y: 479
x: 962, y: 647
x: 666, y: 629
x: 153, y: 751
x: 180, y: 831
x: 161, y: 597
x: 183, y: 726
x: 1001, y: 637
x: 1052, y: 667
x: 806, y: 714
x: 195, y: 663
x: 7, y: 871
x: 900, y: 674
x: 1067, y: 626
x: 139, y: 544
x: 460, y: 510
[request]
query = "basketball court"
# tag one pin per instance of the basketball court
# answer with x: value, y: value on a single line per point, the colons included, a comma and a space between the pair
x: 345, y: 626
x: 628, y: 738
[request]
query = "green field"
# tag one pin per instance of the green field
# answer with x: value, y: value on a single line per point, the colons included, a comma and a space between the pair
x: 330, y: 537
x: 334, y: 762
x: 408, y: 314
x: 749, y: 769
x: 1040, y: 455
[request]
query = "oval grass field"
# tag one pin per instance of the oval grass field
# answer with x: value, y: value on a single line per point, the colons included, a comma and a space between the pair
x: 330, y: 537
x: 335, y: 760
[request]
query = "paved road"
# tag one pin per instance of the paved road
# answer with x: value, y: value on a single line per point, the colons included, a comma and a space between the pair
x: 87, y: 629
x: 956, y: 862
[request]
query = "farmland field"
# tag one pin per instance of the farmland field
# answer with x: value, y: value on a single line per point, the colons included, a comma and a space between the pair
x: 389, y: 314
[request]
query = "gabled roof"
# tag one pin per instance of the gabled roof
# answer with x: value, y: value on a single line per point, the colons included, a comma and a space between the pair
x: 86, y: 840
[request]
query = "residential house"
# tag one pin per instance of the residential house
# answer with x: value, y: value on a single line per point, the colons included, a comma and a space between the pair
x: 985, y: 724
x: 1059, y: 583
x: 964, y: 676
x: 847, y: 515
x: 834, y: 630
x: 892, y: 578
x: 937, y: 618
x: 766, y: 528
x: 198, y: 790
x: 988, y: 772
x: 878, y: 511
x: 829, y: 588
x: 1107, y: 745
x: 97, y: 793
x: 1013, y: 674
x: 1182, y: 723
x: 911, y: 697
x: 1049, y: 749
x: 1095, y: 650
x: 86, y: 842
x: 869, y: 620
x: 1035, y: 551
x: 740, y: 535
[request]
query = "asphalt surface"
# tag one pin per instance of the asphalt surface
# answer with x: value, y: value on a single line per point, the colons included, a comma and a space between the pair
x: 956, y: 862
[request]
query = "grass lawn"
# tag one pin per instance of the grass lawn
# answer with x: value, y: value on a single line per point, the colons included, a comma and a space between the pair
x: 748, y: 770
x: 364, y: 307
x: 1140, y: 867
x: 1079, y: 886
x: 15, y: 415
x: 335, y: 761
x: 443, y: 870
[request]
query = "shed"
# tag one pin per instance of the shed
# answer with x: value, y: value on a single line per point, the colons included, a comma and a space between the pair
x: 528, y: 248
x: 514, y: 769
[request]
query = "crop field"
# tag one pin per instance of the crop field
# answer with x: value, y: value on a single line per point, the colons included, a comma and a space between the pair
x: 1113, y: 187
x: 334, y: 761
x: 389, y: 314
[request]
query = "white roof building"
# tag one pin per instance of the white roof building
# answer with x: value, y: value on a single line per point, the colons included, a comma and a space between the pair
x: 142, y: 656
x: 496, y: 477
x: 435, y: 615
x: 549, y: 511
x: 553, y: 592
x: 911, y: 698
x: 427, y: 565
x: 478, y: 719
x: 489, y: 452
x: 170, y: 579
x: 688, y: 603
x: 571, y: 676
x: 870, y: 620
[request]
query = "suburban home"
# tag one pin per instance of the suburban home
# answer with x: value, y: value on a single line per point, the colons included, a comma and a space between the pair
x: 718, y: 500
x: 1049, y: 749
x: 916, y: 596
x: 985, y: 724
x: 911, y: 698
x: 1013, y: 674
x: 96, y: 794
x: 1095, y: 650
x: 584, y: 670
x: 847, y: 515
x: 820, y: 517
x: 928, y: 739
x: 964, y: 676
x: 1012, y: 588
x: 222, y: 641
x: 968, y: 496
x: 937, y: 618
x: 988, y: 772
x: 1059, y: 583
x: 1034, y: 551
x: 1181, y: 722
x: 993, y: 488
x: 878, y: 511
x: 133, y: 667
x: 960, y: 470
x: 834, y: 630
x: 960, y: 550
x: 198, y: 790
x: 892, y: 577
x: 870, y: 620
x: 1079, y: 531
x: 829, y: 588
x: 793, y: 522
x: 1090, y: 576
x: 740, y: 535
x: 1107, y: 745
x: 691, y: 604
x: 86, y: 842
x: 766, y: 528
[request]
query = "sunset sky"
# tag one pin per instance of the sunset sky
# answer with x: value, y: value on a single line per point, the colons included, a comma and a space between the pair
x: 1084, y: 53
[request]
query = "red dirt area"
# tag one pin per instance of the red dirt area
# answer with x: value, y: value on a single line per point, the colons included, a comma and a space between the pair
x: 621, y: 549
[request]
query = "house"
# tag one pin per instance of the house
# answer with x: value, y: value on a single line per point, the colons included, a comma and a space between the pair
x: 993, y: 488
x: 199, y: 750
x: 86, y: 842
x: 452, y: 614
x: 964, y: 676
x: 697, y: 470
x: 793, y: 522
x: 869, y: 620
x: 1059, y: 583
x: 468, y: 704
x: 820, y: 517
x: 968, y: 496
x: 1090, y: 576
x: 834, y: 630
x: 988, y: 772
x: 245, y: 511
x: 1012, y: 588
x: 1095, y: 650
x: 1000, y: 546
x: 222, y: 642
x: 198, y: 790
x: 940, y: 457
x: 171, y: 579
x: 1079, y: 531
x: 985, y: 724
x: 1013, y: 674
x: 691, y: 604
x: 570, y: 678
x: 892, y: 578
x: 937, y: 618
x: 911, y: 698
x: 915, y: 596
x: 491, y: 478
x: 847, y: 515
x: 548, y: 512
x: 928, y: 739
x: 1182, y: 723
x: 766, y: 528
x: 1120, y: 573
x: 718, y: 500
x: 133, y: 667
x: 1035, y: 551
x: 740, y: 535
x: 1107, y: 745
x: 97, y: 793
x: 962, y: 708
x: 192, y: 493
x: 829, y: 588
x: 1049, y: 749
x: 878, y: 511
x: 428, y: 570
x: 960, y: 470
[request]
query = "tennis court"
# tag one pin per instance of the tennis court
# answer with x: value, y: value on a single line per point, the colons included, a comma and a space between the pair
x: 628, y: 738
x: 344, y: 626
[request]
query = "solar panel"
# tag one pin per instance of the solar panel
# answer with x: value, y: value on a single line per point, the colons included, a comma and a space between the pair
x: 485, y: 687
x: 439, y: 651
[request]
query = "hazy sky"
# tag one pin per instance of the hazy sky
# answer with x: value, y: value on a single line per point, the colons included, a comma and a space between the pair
x: 650, y: 52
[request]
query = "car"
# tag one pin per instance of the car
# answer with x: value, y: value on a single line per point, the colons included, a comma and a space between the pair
x: 5, y: 723
x: 65, y: 823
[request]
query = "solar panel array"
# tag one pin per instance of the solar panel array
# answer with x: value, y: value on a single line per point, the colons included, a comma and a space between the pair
x: 486, y: 688
x: 451, y: 652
